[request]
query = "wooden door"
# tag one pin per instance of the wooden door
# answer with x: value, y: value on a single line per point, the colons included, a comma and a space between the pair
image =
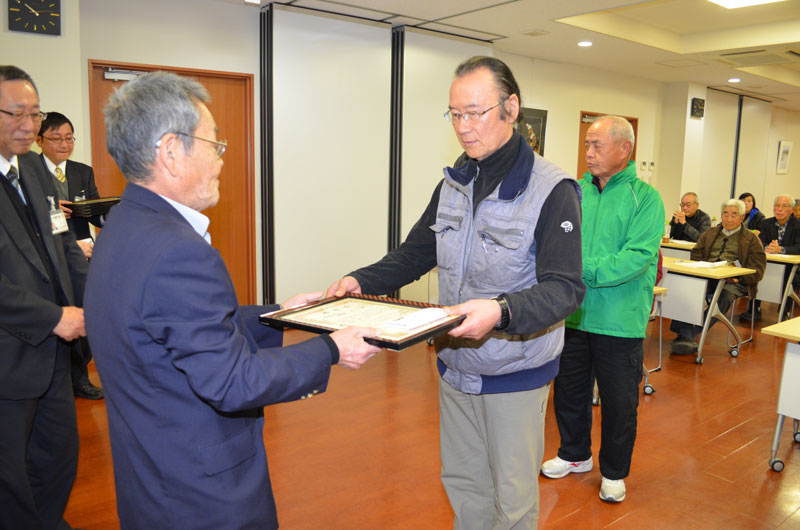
x: 587, y: 118
x: 232, y: 226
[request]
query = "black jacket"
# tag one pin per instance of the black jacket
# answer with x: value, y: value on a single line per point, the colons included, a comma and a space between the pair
x: 791, y: 238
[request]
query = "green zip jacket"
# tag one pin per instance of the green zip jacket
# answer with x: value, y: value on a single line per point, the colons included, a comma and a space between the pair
x: 621, y: 231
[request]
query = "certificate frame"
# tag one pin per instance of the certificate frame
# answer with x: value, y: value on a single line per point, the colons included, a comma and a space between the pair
x: 92, y: 207
x: 310, y: 317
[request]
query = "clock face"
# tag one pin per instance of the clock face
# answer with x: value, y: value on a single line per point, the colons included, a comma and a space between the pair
x: 35, y: 16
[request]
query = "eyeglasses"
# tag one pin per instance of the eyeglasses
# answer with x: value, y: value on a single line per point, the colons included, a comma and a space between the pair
x: 19, y: 117
x: 783, y: 205
x: 473, y: 115
x: 686, y: 204
x: 219, y: 147
x: 69, y: 140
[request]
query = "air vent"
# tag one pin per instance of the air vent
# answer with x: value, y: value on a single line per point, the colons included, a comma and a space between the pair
x: 759, y: 57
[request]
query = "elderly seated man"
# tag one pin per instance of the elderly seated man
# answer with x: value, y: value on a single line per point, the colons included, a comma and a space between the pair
x: 725, y: 242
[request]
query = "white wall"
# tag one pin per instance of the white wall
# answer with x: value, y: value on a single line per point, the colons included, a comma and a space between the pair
x: 785, y: 126
x: 331, y: 140
x: 712, y: 179
x: 54, y: 64
x: 565, y: 90
x: 753, y: 150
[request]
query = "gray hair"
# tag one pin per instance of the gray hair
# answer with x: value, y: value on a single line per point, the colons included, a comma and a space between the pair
x: 143, y: 110
x: 694, y: 196
x: 734, y: 202
x: 785, y: 196
x: 621, y: 129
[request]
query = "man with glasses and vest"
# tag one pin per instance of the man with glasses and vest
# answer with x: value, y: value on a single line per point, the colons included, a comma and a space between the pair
x: 42, y: 278
x: 73, y: 181
x: 503, y: 227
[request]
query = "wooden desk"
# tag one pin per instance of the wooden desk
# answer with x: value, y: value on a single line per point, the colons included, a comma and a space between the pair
x: 676, y: 249
x: 687, y: 286
x: 789, y: 392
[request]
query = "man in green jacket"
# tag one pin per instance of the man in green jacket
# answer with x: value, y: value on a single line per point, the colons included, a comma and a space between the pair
x: 623, y: 220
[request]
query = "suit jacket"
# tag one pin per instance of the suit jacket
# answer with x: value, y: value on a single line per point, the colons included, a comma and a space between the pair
x: 751, y: 255
x: 80, y: 181
x: 186, y: 372
x: 29, y: 304
x: 791, y: 238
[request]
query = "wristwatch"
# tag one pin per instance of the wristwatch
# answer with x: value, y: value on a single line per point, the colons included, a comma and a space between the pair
x: 505, y: 312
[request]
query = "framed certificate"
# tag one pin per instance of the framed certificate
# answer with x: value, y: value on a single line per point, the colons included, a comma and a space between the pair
x: 401, y: 323
x: 92, y: 207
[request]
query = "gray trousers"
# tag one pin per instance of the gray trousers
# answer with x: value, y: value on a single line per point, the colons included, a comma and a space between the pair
x: 492, y: 446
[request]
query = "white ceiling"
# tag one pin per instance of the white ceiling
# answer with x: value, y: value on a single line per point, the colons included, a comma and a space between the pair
x: 663, y: 40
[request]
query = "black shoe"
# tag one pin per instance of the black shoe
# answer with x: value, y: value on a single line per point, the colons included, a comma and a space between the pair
x: 88, y: 391
x: 746, y: 315
x: 684, y: 347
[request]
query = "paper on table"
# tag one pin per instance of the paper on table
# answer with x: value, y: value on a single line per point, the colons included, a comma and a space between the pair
x: 704, y: 264
x: 682, y: 242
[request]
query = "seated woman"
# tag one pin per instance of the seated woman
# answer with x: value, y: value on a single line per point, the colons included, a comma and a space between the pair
x: 752, y: 216
x: 724, y: 242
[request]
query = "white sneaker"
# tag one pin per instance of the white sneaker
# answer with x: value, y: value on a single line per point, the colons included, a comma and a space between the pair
x: 612, y: 490
x: 557, y: 468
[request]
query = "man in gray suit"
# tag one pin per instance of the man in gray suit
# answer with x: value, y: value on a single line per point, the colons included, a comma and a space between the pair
x: 42, y: 277
x: 72, y: 181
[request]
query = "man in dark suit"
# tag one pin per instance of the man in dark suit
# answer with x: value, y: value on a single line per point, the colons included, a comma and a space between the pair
x: 186, y: 370
x: 42, y: 278
x: 72, y: 181
x: 779, y: 235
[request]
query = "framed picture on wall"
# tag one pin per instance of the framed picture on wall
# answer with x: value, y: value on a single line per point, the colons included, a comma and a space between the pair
x: 534, y: 123
x: 784, y: 153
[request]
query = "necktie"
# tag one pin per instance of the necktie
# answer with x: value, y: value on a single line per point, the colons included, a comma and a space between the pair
x: 60, y: 175
x: 13, y: 178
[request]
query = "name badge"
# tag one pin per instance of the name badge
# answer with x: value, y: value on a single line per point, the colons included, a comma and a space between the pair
x: 58, y: 221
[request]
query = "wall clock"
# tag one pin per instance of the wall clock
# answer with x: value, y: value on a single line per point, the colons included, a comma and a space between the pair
x: 35, y: 16
x: 698, y: 107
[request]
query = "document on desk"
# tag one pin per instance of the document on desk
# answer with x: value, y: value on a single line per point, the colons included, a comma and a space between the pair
x: 704, y: 264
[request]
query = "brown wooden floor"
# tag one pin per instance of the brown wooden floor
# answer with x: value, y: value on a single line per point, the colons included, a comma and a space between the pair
x: 365, y: 455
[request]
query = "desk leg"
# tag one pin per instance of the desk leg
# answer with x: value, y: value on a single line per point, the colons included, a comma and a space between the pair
x: 774, y: 463
x: 788, y: 292
x: 714, y: 312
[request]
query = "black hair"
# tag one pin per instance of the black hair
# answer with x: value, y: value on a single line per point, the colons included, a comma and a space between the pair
x: 54, y: 120
x: 10, y: 72
x: 503, y: 78
x: 746, y: 194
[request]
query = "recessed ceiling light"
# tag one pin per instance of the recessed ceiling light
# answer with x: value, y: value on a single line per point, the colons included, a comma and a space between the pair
x: 585, y: 43
x: 736, y: 4
x: 734, y: 80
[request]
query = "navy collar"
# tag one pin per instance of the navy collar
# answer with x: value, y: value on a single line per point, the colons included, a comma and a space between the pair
x: 513, y: 182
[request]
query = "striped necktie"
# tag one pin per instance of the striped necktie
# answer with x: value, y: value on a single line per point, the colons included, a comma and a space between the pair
x: 60, y: 175
x: 13, y: 178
